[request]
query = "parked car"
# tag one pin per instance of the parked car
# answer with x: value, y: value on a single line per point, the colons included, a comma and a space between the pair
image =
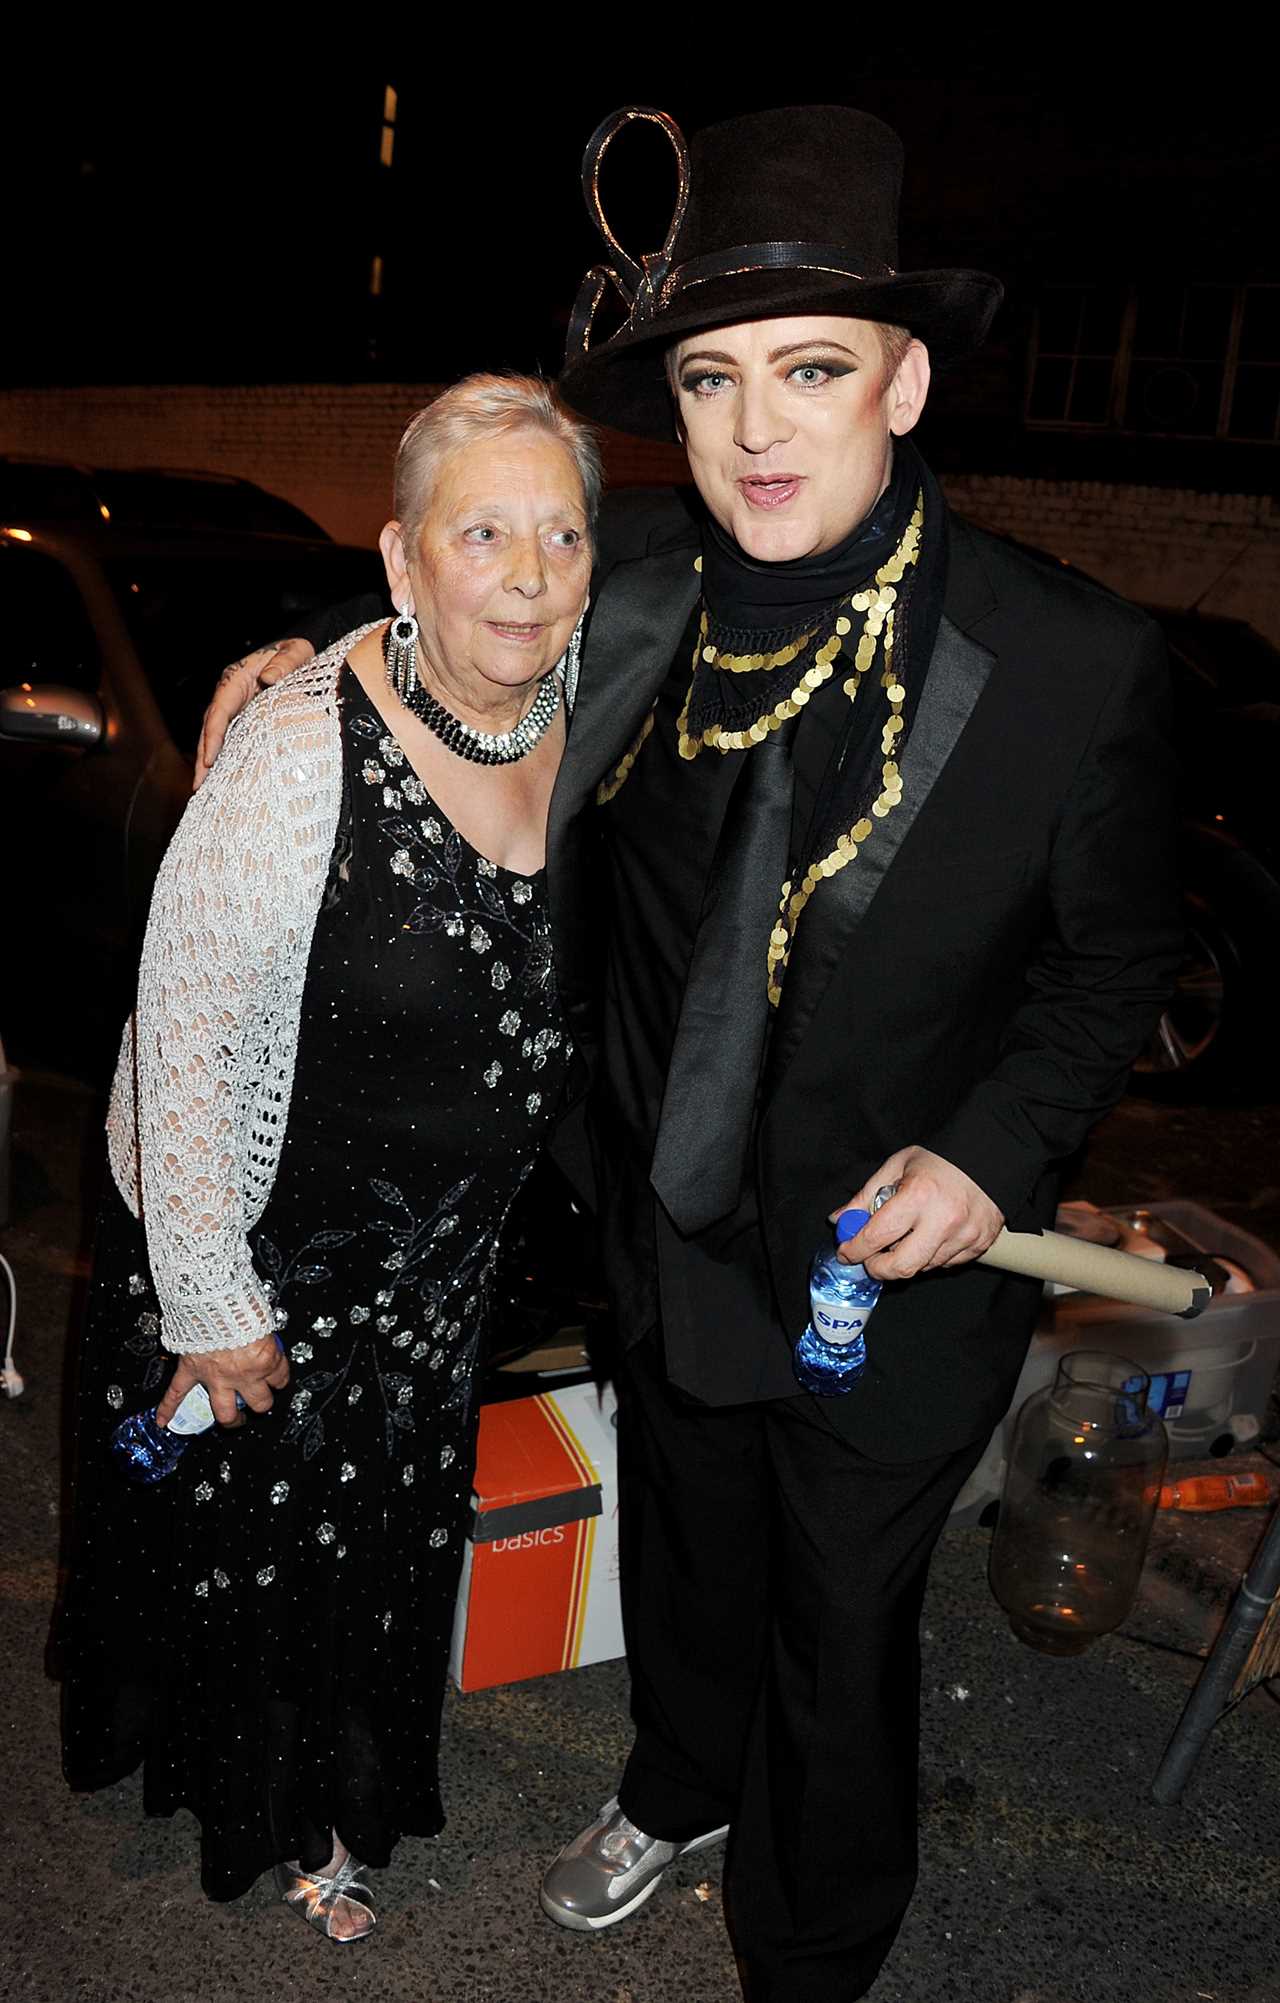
x: 149, y: 497
x: 111, y: 639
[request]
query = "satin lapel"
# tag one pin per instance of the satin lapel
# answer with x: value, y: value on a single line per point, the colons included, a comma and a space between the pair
x: 630, y: 640
x: 632, y: 635
x: 957, y: 675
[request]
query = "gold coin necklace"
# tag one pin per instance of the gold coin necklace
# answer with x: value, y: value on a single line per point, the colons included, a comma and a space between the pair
x: 879, y: 621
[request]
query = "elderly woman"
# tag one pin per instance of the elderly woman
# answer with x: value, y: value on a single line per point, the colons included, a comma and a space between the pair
x: 346, y: 1051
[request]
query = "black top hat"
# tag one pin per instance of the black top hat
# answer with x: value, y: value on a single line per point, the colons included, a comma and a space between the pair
x: 777, y: 213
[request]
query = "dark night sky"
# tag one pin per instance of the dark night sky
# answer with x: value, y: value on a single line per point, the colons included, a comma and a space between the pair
x: 220, y: 226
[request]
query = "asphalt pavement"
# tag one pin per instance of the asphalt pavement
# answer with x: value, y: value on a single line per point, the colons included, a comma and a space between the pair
x: 1048, y: 1874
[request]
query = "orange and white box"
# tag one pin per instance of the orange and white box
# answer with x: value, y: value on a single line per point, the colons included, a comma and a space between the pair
x: 539, y: 1587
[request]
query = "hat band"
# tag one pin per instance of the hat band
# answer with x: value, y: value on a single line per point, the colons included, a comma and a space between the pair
x: 748, y: 257
x: 658, y: 292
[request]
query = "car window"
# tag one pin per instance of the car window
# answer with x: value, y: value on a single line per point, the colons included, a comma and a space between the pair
x: 189, y: 615
x: 31, y: 488
x: 166, y: 500
x: 45, y: 634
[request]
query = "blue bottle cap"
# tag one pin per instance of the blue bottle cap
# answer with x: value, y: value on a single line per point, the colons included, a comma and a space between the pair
x: 849, y: 1223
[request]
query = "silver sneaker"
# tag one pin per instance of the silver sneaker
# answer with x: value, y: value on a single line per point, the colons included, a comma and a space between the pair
x: 610, y: 1870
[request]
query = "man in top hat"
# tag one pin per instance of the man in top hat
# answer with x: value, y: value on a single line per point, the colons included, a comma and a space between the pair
x: 874, y: 811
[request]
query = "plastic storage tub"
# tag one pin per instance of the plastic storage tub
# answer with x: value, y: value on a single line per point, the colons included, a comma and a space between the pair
x: 1211, y: 1378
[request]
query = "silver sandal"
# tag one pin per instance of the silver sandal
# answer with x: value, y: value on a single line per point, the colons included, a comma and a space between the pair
x: 314, y: 1897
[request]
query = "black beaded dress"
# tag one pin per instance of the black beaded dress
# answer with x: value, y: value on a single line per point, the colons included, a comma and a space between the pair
x: 266, y: 1630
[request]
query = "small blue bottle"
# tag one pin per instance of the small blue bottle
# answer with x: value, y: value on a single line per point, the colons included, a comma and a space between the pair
x: 832, y: 1353
x: 145, y: 1452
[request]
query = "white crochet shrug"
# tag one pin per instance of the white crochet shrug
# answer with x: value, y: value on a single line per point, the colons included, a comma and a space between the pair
x: 201, y: 1092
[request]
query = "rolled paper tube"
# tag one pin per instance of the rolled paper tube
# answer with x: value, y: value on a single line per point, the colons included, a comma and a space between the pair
x: 1100, y: 1269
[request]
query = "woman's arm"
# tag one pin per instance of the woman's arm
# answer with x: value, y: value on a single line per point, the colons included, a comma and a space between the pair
x: 240, y: 682
x: 219, y: 928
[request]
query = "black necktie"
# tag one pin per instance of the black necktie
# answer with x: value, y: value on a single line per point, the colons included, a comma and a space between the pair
x: 704, y: 1133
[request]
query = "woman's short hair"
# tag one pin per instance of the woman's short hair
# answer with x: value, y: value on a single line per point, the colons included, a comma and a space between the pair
x: 487, y: 406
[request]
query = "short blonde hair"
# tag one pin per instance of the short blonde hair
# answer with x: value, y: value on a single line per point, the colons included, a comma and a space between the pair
x: 894, y: 342
x: 487, y: 406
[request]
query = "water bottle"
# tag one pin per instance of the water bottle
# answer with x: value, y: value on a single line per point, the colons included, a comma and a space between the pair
x: 832, y: 1353
x: 146, y: 1452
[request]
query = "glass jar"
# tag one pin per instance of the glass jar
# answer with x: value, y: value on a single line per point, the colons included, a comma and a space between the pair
x: 1080, y: 1496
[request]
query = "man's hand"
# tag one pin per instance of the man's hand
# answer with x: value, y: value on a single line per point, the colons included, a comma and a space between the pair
x: 236, y: 686
x: 255, y: 1371
x: 939, y: 1217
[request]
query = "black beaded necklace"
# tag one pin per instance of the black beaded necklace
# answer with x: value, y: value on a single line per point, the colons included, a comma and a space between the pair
x: 481, y: 747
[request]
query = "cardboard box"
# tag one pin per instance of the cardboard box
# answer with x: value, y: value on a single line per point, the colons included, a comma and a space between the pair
x: 539, y: 1587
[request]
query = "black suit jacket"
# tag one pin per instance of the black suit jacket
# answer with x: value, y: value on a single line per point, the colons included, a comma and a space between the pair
x: 977, y: 981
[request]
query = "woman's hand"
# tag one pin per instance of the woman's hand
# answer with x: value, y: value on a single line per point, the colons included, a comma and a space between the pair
x: 254, y: 1371
x: 237, y: 685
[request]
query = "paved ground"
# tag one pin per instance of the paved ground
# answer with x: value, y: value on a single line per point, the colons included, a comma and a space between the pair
x: 1048, y: 1875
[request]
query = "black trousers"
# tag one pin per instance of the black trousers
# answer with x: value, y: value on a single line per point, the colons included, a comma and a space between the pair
x: 772, y: 1579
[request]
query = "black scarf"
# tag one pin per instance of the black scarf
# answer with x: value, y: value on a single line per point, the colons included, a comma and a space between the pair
x: 747, y: 597
x: 754, y: 608
x: 758, y: 608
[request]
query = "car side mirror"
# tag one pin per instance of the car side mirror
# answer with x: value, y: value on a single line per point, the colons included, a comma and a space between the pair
x: 50, y: 713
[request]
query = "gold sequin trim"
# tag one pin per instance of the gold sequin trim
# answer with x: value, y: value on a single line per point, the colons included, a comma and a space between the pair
x: 622, y: 771
x: 792, y: 902
x: 818, y: 672
x: 876, y: 605
x: 749, y: 664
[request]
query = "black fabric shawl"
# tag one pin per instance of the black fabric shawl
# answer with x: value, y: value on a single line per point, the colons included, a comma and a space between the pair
x: 747, y: 597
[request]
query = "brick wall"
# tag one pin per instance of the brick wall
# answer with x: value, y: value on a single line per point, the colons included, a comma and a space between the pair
x: 329, y: 448
x: 1162, y: 546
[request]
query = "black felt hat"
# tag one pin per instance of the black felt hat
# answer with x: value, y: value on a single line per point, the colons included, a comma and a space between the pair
x: 777, y: 213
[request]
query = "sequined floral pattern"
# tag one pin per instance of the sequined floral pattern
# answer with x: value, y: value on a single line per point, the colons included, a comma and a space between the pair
x: 489, y: 911
x: 460, y: 893
x: 433, y: 1306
